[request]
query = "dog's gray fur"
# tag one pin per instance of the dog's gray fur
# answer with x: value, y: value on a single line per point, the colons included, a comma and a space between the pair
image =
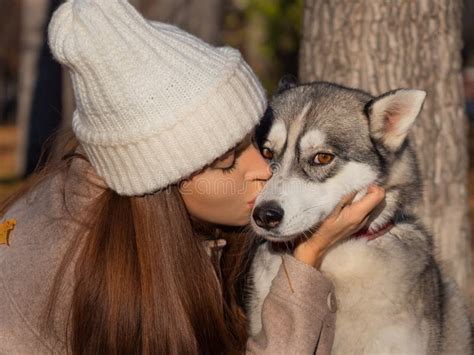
x: 392, y: 296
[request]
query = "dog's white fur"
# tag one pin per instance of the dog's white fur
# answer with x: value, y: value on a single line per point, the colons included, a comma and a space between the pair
x: 370, y: 279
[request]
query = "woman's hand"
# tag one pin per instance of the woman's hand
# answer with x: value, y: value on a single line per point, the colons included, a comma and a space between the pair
x: 345, y: 220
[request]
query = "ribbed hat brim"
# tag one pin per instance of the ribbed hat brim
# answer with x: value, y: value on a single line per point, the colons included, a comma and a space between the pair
x: 153, y: 161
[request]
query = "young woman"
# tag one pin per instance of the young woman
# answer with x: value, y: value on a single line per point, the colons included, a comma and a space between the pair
x: 110, y: 252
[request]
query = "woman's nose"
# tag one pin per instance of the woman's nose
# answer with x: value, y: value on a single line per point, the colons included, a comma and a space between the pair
x: 259, y: 167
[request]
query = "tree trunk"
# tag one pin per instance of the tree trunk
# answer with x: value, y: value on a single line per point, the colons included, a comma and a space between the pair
x: 33, y: 20
x: 380, y: 45
x: 9, y: 38
x: 203, y: 18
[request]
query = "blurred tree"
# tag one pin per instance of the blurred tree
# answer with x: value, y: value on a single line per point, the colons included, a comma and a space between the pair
x: 281, y: 21
x: 33, y: 18
x: 202, y: 18
x: 268, y: 34
x: 46, y: 106
x: 9, y: 38
x: 468, y: 33
x: 381, y: 45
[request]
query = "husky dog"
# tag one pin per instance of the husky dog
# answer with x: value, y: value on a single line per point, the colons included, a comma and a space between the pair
x: 325, y: 141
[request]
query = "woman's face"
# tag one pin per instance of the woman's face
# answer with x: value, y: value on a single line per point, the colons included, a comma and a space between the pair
x: 225, y: 191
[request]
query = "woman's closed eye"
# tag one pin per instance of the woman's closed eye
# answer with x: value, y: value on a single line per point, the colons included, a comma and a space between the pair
x: 230, y: 168
x: 227, y: 163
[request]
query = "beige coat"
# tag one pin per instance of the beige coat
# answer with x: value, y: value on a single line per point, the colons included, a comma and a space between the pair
x: 299, y: 322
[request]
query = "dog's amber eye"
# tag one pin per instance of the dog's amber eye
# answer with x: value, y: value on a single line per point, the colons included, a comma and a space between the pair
x: 323, y: 158
x: 267, y: 153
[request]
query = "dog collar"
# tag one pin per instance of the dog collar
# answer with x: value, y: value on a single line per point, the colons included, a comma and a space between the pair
x: 372, y: 234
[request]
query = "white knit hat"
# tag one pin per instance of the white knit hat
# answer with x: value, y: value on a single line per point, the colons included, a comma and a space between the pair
x: 154, y: 103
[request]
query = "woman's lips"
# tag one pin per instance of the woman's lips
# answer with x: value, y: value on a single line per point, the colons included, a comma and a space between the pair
x: 252, y: 203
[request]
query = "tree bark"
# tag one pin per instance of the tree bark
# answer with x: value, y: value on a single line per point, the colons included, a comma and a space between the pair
x: 380, y: 45
x: 203, y: 18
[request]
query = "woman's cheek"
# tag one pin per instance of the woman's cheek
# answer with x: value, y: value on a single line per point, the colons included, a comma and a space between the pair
x: 217, y: 198
x: 226, y: 209
x: 206, y: 204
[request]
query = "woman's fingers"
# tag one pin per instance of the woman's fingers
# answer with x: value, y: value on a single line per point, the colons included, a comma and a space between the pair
x: 362, y: 208
x: 346, y: 219
x: 362, y: 224
x: 346, y: 200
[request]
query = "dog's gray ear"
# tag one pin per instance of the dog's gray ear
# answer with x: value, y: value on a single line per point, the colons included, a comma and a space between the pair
x: 288, y: 81
x: 392, y: 114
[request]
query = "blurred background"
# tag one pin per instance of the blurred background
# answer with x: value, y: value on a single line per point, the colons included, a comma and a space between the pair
x: 374, y: 45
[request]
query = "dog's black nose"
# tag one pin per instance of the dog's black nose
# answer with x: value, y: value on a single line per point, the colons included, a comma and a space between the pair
x: 268, y: 215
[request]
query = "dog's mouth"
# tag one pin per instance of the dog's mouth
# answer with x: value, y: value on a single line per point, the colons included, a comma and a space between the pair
x: 289, y: 241
x: 286, y: 243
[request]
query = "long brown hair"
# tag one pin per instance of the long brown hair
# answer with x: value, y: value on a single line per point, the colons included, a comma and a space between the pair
x: 144, y: 284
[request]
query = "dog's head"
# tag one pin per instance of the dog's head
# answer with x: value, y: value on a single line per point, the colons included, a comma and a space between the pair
x: 324, y: 141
